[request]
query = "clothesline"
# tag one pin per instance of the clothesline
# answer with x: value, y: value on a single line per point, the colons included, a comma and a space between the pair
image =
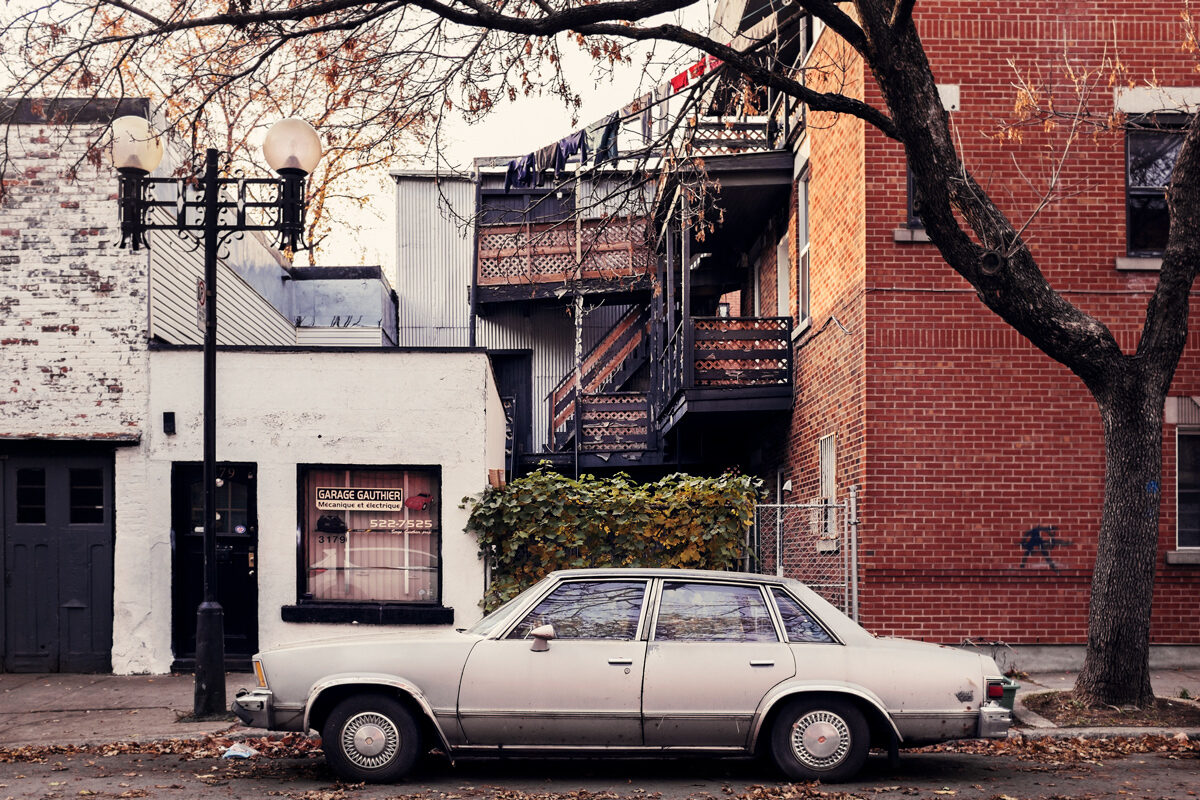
x: 597, y: 143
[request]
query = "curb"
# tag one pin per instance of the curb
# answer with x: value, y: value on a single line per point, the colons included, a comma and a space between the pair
x: 1036, y: 726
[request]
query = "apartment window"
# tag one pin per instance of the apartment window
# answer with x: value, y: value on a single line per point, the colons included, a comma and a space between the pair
x: 913, y: 211
x: 827, y: 459
x: 1150, y: 155
x: 802, y: 254
x: 824, y: 511
x: 371, y: 534
x: 1187, y: 527
x: 783, y: 279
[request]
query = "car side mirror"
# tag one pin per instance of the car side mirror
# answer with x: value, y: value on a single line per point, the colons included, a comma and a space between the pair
x: 542, y: 635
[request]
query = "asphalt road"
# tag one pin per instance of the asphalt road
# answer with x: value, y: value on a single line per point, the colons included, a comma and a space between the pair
x: 921, y: 775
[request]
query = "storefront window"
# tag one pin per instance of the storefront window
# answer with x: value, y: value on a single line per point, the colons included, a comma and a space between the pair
x: 371, y: 534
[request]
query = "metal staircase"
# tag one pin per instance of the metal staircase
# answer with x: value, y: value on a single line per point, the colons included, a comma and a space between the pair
x: 610, y: 420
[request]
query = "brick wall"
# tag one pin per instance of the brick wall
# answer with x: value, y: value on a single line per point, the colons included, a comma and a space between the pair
x: 961, y: 435
x: 829, y: 363
x: 72, y: 306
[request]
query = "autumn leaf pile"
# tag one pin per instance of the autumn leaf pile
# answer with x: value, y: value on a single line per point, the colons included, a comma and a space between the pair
x: 1074, y: 750
x: 292, y: 745
x: 546, y: 521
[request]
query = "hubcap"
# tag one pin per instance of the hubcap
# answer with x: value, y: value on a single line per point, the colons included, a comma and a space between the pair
x: 370, y: 740
x: 820, y: 739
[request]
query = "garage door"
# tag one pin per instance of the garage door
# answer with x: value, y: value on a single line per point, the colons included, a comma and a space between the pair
x: 57, y: 562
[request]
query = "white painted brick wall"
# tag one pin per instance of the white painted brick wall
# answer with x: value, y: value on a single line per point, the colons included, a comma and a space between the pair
x: 72, y: 305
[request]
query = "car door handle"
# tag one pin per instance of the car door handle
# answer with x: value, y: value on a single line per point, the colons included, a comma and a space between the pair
x: 762, y: 663
x: 621, y: 662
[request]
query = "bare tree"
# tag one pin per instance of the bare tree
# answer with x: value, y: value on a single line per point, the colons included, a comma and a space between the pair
x: 398, y: 62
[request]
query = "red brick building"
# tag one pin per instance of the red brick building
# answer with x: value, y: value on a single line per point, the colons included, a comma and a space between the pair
x: 795, y: 322
x: 961, y: 436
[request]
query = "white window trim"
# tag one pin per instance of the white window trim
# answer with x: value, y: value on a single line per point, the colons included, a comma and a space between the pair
x: 1180, y: 555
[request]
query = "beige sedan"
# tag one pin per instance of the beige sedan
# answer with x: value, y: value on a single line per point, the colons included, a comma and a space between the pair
x: 631, y: 662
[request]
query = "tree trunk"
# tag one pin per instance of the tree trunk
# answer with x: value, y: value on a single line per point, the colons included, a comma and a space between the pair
x: 1116, y: 669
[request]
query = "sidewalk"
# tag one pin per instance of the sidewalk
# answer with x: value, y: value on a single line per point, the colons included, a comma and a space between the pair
x: 94, y: 709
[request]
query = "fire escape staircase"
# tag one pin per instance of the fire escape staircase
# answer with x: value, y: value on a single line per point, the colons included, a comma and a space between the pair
x: 606, y: 419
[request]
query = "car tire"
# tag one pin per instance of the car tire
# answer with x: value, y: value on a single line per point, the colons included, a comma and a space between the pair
x: 371, y: 738
x: 822, y: 738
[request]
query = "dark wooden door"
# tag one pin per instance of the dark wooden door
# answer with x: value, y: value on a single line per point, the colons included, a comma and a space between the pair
x: 57, y: 561
x: 237, y: 551
x: 514, y: 382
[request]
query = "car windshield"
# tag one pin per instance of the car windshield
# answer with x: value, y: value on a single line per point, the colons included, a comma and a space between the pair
x: 490, y: 622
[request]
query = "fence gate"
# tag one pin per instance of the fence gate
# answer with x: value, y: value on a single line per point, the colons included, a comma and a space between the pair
x: 815, y: 542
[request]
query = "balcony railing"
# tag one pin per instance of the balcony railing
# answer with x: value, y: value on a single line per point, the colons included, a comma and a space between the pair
x: 622, y: 350
x: 593, y: 253
x: 726, y: 353
x: 615, y: 423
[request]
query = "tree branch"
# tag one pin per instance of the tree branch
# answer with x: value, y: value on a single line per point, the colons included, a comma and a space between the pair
x: 902, y: 13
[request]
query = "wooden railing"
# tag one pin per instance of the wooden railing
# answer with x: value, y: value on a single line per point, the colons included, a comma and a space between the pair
x: 560, y: 252
x: 623, y: 348
x: 725, y: 353
x: 617, y: 422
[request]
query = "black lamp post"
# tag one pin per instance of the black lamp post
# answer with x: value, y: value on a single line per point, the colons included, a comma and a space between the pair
x: 214, y: 208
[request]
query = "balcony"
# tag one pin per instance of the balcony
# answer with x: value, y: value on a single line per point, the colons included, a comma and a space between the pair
x: 549, y: 260
x: 725, y: 364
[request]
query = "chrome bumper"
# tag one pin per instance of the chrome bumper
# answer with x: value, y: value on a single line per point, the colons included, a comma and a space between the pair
x: 253, y: 708
x: 994, y: 721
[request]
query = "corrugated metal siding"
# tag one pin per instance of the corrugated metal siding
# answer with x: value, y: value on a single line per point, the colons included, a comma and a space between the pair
x: 435, y: 261
x: 435, y: 254
x: 243, y: 316
x: 550, y: 334
x: 341, y: 337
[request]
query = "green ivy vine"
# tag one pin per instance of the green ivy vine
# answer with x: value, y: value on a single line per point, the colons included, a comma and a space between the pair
x: 546, y: 521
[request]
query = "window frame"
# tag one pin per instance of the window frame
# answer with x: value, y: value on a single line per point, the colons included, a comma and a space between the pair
x: 774, y: 590
x: 505, y: 632
x: 803, y: 250
x: 914, y: 221
x: 1169, y: 124
x: 1180, y: 434
x: 651, y: 630
x: 304, y: 597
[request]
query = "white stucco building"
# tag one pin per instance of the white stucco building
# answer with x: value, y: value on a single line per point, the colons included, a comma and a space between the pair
x: 342, y: 459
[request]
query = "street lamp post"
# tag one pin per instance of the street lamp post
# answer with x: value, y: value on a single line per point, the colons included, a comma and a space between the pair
x: 213, y: 208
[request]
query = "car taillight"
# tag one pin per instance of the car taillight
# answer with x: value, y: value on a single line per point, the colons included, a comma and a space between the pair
x: 995, y: 690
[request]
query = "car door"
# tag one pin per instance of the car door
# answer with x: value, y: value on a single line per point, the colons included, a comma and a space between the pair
x: 714, y: 653
x: 584, y: 689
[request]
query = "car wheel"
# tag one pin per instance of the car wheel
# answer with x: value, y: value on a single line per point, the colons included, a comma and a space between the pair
x: 821, y: 738
x: 371, y: 738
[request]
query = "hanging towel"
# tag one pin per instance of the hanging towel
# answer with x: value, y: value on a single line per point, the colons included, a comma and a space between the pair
x: 545, y: 160
x: 648, y: 118
x: 601, y: 139
x: 679, y: 81
x: 519, y: 173
x: 569, y: 146
x: 697, y: 70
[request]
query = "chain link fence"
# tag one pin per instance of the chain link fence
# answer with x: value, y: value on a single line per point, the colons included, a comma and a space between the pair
x: 815, y: 543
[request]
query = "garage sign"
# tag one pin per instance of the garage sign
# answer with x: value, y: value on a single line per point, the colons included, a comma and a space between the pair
x: 340, y: 498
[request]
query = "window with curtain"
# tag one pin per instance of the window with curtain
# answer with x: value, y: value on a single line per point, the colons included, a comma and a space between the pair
x: 371, y: 534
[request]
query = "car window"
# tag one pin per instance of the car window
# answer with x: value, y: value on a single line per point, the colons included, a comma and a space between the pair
x: 497, y: 616
x: 588, y: 610
x: 799, y: 624
x: 708, y: 612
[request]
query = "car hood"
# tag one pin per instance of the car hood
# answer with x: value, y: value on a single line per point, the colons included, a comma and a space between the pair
x: 429, y: 660
x: 372, y: 640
